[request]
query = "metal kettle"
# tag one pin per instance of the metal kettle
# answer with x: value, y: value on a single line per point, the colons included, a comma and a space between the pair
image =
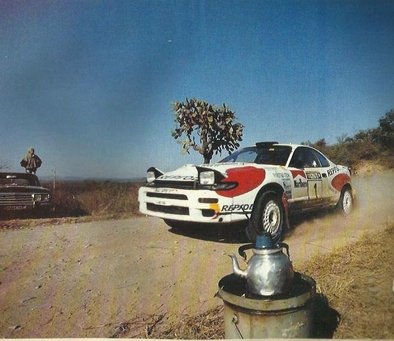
x: 269, y: 271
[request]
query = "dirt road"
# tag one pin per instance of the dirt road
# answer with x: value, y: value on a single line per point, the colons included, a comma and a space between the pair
x: 84, y: 280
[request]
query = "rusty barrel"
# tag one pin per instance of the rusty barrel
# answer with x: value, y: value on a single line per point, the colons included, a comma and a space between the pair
x: 285, y: 316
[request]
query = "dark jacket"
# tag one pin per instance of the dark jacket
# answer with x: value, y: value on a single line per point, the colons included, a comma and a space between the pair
x: 31, y: 161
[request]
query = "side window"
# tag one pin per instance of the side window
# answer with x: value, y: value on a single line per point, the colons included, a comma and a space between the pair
x: 304, y: 158
x: 297, y: 159
x: 323, y: 161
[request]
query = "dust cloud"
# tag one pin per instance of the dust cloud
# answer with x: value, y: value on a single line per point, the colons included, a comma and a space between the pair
x: 373, y: 211
x: 375, y: 196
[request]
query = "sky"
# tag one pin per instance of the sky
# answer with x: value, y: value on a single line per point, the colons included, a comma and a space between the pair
x: 89, y: 84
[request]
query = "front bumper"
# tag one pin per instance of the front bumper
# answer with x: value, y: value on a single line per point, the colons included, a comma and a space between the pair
x: 22, y: 201
x: 203, y: 206
x: 25, y: 206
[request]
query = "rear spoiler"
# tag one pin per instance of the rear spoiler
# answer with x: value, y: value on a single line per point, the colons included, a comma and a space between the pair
x: 265, y: 144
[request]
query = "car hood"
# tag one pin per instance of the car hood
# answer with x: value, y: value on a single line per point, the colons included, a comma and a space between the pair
x: 190, y: 172
x: 23, y: 189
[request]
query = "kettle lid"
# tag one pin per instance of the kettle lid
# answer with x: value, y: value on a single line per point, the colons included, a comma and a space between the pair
x: 264, y: 241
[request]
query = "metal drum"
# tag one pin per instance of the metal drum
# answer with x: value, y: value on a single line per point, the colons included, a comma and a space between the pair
x: 281, y: 316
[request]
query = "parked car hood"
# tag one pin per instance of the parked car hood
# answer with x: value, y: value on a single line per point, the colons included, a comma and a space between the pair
x: 23, y: 189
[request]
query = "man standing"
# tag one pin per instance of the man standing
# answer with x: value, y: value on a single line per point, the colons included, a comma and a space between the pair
x: 31, y: 161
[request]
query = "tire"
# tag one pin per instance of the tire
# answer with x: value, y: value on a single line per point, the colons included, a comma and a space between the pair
x: 41, y: 212
x: 267, y: 216
x: 345, y: 203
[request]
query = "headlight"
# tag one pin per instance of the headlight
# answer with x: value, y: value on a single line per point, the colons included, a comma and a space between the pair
x: 207, y: 178
x: 41, y: 197
x: 37, y: 197
x: 150, y: 176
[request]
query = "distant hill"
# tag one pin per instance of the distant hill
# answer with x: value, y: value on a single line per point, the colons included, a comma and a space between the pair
x: 82, y: 179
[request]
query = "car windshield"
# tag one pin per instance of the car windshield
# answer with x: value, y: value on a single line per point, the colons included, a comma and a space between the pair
x: 271, y: 155
x: 13, y: 180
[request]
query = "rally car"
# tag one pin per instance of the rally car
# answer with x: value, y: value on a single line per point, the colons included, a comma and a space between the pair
x: 261, y: 184
x: 22, y: 192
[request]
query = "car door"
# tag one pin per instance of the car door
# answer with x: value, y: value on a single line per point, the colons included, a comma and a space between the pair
x: 299, y: 179
x: 323, y: 168
x: 307, y: 177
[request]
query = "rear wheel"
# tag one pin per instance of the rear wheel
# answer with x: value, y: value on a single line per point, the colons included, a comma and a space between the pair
x: 266, y: 217
x: 345, y: 203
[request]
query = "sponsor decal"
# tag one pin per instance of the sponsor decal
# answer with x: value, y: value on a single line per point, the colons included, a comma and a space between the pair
x: 248, y: 178
x: 177, y: 177
x: 299, y: 178
x: 299, y: 173
x: 164, y: 190
x: 236, y: 207
x: 285, y: 177
x: 287, y: 187
x: 313, y: 175
x: 216, y: 208
x: 299, y: 182
x: 339, y: 181
x: 281, y: 175
x: 332, y: 171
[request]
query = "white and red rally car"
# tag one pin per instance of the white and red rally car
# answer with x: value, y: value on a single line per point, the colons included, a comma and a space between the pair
x: 261, y: 184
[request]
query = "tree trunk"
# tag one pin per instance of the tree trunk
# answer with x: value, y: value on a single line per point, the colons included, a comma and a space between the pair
x: 206, y: 154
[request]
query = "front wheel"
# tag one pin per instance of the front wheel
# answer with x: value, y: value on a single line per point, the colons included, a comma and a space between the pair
x: 345, y: 203
x: 266, y: 217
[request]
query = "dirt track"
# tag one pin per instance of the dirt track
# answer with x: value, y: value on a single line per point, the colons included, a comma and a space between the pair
x: 84, y: 280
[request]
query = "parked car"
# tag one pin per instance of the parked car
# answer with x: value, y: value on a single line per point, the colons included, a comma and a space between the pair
x: 261, y: 184
x: 22, y: 192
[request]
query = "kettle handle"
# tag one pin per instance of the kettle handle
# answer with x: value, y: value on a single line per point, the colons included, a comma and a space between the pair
x: 243, y: 248
x: 284, y: 245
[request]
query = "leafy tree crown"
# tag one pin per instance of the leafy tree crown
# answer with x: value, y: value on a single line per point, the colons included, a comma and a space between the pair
x: 207, y: 128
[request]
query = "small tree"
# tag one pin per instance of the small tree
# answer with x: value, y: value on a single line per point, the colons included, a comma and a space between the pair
x: 386, y: 130
x: 208, y: 129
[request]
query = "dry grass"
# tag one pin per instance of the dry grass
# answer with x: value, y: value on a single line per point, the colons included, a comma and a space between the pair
x: 356, y: 281
x: 96, y: 198
x: 82, y: 201
x: 206, y: 326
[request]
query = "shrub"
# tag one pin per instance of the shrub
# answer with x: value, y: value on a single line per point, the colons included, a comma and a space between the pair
x: 79, y: 198
x: 372, y: 144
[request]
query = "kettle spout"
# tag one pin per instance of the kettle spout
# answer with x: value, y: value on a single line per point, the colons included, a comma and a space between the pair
x: 236, y: 269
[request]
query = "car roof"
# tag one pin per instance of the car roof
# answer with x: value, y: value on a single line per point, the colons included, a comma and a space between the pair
x: 268, y: 144
x: 18, y: 175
